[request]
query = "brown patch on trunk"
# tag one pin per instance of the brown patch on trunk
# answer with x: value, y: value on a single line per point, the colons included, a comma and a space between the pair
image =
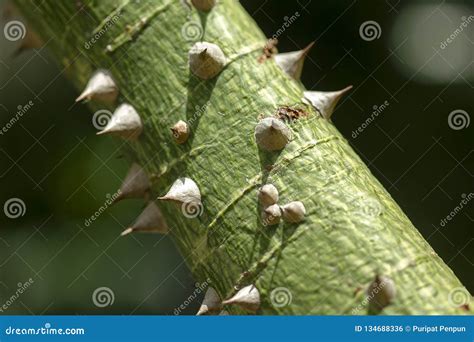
x: 268, y: 50
x: 290, y: 114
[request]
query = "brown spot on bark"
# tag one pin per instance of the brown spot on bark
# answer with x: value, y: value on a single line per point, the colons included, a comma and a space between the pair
x: 269, y: 167
x: 268, y: 50
x: 290, y: 114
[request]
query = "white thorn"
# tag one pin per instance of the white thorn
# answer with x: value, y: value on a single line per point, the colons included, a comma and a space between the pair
x: 125, y: 122
x: 150, y: 220
x: 293, y: 212
x: 268, y: 195
x: 211, y: 303
x: 126, y: 231
x: 206, y: 60
x: 381, y: 292
x: 272, y: 134
x: 135, y: 185
x: 100, y: 86
x: 272, y: 215
x: 325, y: 101
x: 292, y: 62
x: 180, y: 132
x: 247, y: 298
x: 183, y: 190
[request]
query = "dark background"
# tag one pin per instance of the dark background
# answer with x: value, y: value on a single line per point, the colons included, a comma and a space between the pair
x: 52, y: 160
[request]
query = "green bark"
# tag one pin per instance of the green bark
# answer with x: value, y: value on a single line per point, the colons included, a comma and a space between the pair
x: 353, y: 228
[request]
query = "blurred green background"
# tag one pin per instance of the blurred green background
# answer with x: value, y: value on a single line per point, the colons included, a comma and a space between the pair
x: 52, y: 160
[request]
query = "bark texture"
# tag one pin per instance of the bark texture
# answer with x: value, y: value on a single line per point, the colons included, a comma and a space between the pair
x: 353, y: 229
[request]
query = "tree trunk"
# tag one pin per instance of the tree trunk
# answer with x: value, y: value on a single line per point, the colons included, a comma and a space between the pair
x: 353, y: 230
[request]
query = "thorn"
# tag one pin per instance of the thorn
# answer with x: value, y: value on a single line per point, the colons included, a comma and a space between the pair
x: 381, y: 292
x: 206, y: 60
x: 183, y: 190
x: 325, y: 101
x: 135, y: 185
x: 293, y: 212
x: 150, y: 220
x: 180, y: 132
x: 211, y: 303
x: 272, y: 134
x: 204, y: 5
x: 272, y: 215
x: 101, y: 86
x: 125, y: 122
x: 247, y: 298
x: 292, y: 62
x: 268, y: 195
x: 126, y: 231
x: 31, y: 41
